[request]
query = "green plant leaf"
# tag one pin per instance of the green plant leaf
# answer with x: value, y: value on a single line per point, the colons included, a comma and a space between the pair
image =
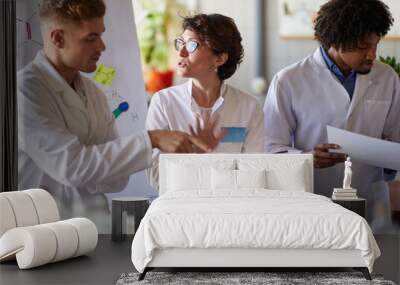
x: 391, y: 60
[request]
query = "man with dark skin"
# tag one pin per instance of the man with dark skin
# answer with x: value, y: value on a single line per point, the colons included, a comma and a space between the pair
x: 341, y: 85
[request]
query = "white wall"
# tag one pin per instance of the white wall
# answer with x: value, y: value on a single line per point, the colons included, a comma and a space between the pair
x: 279, y: 52
x: 243, y: 12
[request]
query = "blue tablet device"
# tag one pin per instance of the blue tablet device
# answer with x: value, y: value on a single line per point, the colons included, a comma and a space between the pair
x: 234, y: 135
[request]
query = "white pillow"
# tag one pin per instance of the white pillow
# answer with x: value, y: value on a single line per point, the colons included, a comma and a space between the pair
x: 251, y: 178
x: 223, y: 179
x: 183, y: 177
x: 237, y: 179
x: 187, y: 175
x: 281, y: 174
x: 292, y: 178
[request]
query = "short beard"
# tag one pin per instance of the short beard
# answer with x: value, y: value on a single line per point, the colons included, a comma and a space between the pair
x: 363, y: 72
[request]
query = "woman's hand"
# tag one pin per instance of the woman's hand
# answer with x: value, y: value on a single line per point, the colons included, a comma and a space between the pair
x: 206, y: 132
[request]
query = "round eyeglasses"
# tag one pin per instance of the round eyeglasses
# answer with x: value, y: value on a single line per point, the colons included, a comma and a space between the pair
x: 190, y: 45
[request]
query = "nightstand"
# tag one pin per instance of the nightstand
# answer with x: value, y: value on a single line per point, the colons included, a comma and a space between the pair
x: 358, y: 206
x: 121, y: 207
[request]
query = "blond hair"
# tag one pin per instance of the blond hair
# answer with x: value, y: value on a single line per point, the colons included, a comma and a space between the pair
x: 72, y: 10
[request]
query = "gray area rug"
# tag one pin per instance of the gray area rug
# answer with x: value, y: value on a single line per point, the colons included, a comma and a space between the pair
x: 273, y: 278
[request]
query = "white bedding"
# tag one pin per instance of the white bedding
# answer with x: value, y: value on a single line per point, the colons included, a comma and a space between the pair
x: 252, y: 218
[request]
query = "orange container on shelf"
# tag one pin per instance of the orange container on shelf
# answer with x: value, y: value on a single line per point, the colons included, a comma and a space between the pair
x: 157, y: 80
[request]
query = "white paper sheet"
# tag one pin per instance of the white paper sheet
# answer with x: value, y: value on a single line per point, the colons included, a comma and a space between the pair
x: 366, y: 149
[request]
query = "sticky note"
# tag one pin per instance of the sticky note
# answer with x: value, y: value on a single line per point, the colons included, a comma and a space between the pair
x: 104, y: 75
x: 234, y: 135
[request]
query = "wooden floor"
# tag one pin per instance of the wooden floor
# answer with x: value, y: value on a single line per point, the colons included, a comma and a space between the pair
x: 111, y: 259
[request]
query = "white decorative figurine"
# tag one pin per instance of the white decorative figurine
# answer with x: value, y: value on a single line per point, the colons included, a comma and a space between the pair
x: 347, y: 192
x: 347, y: 174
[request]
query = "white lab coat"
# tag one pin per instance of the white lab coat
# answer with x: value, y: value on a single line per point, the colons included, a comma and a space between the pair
x: 306, y: 97
x: 174, y: 109
x: 70, y: 148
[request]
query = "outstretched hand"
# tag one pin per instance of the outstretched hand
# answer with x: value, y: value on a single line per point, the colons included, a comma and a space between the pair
x: 207, y: 132
x: 176, y: 142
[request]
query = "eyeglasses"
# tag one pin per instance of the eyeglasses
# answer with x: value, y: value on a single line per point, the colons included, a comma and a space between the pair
x: 190, y: 45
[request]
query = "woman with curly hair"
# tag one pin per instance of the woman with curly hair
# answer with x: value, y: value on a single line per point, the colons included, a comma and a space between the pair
x: 210, y: 51
x: 341, y: 85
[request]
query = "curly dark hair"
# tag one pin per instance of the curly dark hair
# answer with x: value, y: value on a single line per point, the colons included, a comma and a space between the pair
x: 343, y: 23
x: 221, y: 35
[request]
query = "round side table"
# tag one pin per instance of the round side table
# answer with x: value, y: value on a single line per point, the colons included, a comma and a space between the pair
x: 121, y: 207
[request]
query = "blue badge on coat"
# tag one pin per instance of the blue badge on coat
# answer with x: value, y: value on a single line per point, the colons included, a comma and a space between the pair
x: 234, y: 135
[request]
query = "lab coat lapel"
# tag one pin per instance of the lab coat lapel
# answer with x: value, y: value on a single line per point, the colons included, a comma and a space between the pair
x: 76, y: 109
x: 323, y: 73
x: 71, y: 98
x: 320, y: 64
x: 55, y: 81
x: 75, y: 115
x: 93, y: 127
x: 89, y: 110
x: 362, y: 84
x: 189, y: 101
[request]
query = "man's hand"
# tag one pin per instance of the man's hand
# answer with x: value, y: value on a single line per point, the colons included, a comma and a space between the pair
x: 206, y: 133
x: 323, y: 158
x: 176, y: 142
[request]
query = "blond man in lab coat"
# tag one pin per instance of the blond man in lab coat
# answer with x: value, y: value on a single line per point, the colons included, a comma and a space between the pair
x: 341, y: 85
x: 67, y: 140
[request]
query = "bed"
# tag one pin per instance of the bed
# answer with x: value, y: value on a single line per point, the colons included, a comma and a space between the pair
x: 245, y: 211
